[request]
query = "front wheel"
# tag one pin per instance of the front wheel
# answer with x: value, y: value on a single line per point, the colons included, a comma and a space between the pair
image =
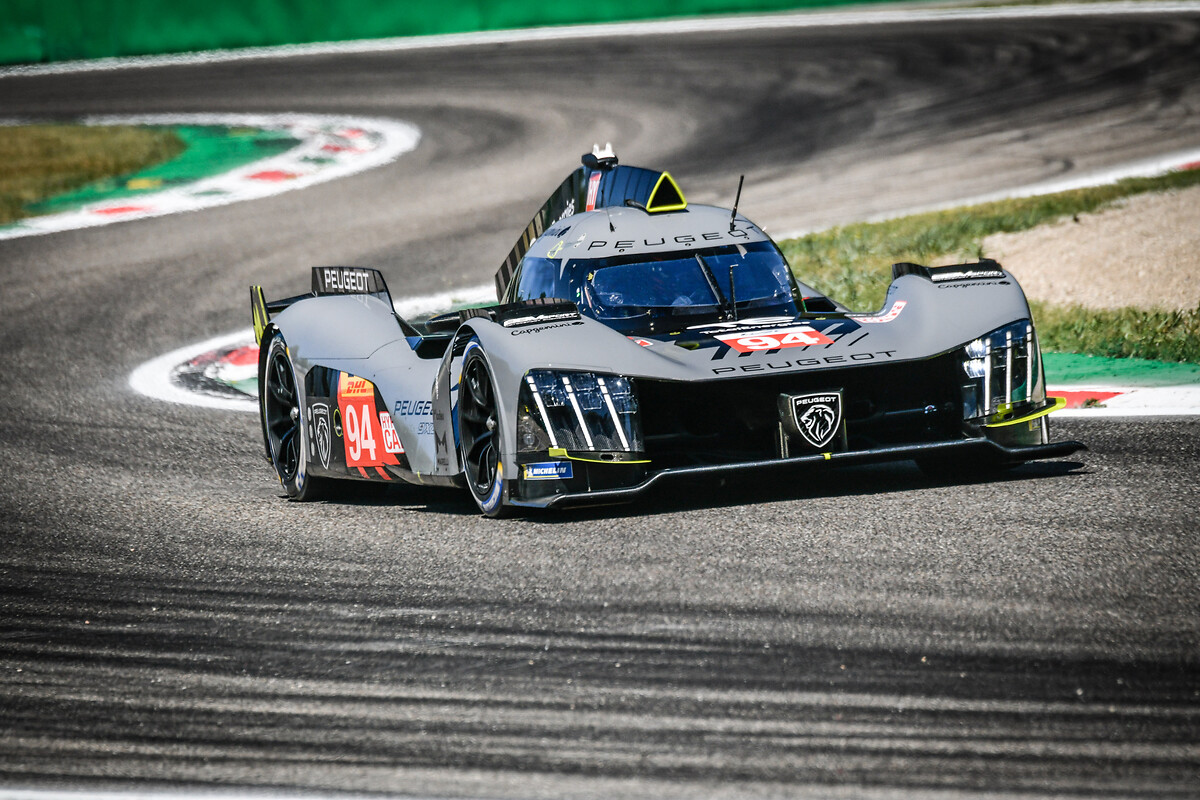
x: 479, y: 433
x: 284, y: 431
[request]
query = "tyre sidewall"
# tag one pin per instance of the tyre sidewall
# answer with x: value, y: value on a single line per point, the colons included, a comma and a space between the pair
x: 493, y: 504
x: 299, y: 486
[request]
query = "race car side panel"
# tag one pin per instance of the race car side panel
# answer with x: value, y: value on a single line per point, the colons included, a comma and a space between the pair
x: 333, y: 339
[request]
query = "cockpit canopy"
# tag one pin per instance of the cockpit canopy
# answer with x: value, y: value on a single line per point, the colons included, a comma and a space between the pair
x: 660, y: 292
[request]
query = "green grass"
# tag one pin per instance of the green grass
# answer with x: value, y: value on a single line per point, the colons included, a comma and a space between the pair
x: 852, y: 264
x: 1119, y: 333
x: 40, y: 161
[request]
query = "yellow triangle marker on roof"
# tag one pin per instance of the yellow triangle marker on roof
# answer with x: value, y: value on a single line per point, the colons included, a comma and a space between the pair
x: 666, y: 195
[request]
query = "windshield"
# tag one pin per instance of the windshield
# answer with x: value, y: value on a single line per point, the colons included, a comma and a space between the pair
x: 641, y: 293
x: 656, y: 284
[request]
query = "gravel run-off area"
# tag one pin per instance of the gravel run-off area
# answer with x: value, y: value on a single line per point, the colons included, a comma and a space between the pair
x: 1143, y: 252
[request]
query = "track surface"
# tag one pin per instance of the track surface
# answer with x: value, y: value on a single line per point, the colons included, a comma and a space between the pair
x: 167, y: 618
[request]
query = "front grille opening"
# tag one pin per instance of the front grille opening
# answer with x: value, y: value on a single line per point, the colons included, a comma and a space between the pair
x: 730, y: 421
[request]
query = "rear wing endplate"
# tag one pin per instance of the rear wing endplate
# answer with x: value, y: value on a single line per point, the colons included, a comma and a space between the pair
x: 325, y: 281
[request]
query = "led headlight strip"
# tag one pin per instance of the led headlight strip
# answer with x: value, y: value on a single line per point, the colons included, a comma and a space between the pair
x: 1003, y: 372
x: 587, y: 436
x: 579, y: 411
x: 541, y: 407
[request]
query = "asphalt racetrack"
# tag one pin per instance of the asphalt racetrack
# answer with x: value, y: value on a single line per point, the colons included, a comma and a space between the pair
x: 167, y: 620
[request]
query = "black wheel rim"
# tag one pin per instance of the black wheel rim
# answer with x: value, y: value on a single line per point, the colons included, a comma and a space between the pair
x: 282, y: 414
x: 477, y: 427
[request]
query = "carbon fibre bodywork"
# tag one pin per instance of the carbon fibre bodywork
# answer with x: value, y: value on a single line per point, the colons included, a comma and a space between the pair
x: 545, y: 400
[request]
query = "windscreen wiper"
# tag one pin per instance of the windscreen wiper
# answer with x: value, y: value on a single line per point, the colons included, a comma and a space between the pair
x: 729, y: 308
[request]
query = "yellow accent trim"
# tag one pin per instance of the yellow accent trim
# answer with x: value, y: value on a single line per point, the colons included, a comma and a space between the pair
x: 650, y: 206
x: 599, y: 461
x: 561, y: 452
x: 1059, y: 402
x: 258, y: 311
x: 828, y: 456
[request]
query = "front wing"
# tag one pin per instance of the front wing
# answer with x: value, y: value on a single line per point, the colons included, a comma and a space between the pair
x: 578, y: 491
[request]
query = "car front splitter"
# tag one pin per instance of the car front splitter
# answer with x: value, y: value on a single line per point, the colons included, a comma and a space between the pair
x: 980, y: 447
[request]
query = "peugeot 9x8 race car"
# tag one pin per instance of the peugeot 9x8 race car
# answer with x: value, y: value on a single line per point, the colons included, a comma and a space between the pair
x: 638, y: 338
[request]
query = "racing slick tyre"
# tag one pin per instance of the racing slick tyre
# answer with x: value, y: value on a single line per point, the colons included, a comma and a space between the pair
x: 479, y: 433
x: 284, y: 432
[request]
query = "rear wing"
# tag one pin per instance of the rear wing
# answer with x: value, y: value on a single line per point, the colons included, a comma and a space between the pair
x: 325, y: 281
x: 600, y: 183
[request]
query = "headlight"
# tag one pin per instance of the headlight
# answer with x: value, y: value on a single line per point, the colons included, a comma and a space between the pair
x: 578, y: 411
x: 1003, y: 374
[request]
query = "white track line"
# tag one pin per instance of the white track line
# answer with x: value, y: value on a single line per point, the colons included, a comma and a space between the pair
x: 1155, y: 401
x: 788, y: 20
x: 153, y: 379
x: 330, y: 147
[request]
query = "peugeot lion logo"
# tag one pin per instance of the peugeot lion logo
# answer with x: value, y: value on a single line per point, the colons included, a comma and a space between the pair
x: 320, y: 413
x: 817, y: 424
x: 817, y: 417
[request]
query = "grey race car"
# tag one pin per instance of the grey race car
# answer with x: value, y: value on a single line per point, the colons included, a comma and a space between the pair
x: 638, y: 338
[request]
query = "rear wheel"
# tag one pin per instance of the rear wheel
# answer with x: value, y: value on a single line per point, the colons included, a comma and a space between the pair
x: 284, y: 431
x: 479, y: 433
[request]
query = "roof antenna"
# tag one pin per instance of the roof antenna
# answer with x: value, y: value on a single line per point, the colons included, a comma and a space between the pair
x: 736, y: 200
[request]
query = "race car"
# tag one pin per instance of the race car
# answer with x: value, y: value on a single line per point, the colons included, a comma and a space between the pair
x: 636, y: 339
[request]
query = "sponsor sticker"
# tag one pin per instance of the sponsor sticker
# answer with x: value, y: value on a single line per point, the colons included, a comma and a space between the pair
x: 816, y: 417
x: 548, y: 471
x: 391, y: 442
x: 363, y: 430
x: 756, y: 323
x: 967, y: 274
x: 540, y: 328
x: 537, y: 319
x: 322, y: 432
x: 891, y: 314
x: 352, y: 386
x: 345, y: 280
x: 774, y: 339
x: 593, y: 190
x: 413, y: 408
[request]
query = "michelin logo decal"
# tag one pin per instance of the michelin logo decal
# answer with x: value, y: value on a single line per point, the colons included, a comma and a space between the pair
x: 548, y: 471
